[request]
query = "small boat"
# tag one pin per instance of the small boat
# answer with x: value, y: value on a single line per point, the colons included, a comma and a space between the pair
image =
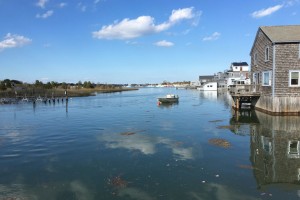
x: 25, y: 99
x: 169, y: 98
x: 39, y: 99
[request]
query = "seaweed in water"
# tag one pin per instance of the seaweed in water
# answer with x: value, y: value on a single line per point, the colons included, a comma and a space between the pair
x: 127, y: 133
x: 117, y: 182
x: 220, y: 142
x: 217, y: 120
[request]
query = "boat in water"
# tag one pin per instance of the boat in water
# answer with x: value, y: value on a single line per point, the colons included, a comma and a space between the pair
x: 169, y: 98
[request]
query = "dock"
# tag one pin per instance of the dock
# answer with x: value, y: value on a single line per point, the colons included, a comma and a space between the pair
x: 243, y: 96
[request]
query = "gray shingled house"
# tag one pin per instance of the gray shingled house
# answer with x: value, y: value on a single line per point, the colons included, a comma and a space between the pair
x: 275, y: 69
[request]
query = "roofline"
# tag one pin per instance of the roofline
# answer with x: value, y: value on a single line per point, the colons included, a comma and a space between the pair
x: 288, y: 41
x: 273, y: 42
x: 259, y: 28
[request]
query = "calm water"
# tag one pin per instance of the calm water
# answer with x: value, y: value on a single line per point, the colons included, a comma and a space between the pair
x: 125, y: 146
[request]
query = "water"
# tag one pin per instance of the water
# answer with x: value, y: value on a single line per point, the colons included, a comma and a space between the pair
x: 125, y: 146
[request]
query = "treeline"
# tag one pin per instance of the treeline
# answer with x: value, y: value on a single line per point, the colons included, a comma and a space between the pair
x: 7, y: 84
x: 17, y: 89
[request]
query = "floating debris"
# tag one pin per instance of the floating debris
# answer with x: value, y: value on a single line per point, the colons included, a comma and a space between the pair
x: 127, y: 133
x: 248, y: 167
x: 220, y: 142
x: 217, y: 120
x: 230, y: 127
x: 117, y: 182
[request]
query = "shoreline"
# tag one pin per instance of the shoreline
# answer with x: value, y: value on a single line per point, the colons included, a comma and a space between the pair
x: 59, y: 93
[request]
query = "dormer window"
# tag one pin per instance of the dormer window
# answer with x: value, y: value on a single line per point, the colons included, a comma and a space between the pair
x: 267, y: 53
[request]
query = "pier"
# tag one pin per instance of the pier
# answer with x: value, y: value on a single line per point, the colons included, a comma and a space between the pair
x: 243, y: 96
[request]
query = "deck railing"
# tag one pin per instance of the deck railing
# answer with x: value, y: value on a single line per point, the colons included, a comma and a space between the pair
x: 244, y: 89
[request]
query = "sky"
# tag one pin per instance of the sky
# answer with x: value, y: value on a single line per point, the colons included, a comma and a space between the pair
x: 131, y: 41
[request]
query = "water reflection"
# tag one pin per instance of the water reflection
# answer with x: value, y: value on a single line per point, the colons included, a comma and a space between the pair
x: 167, y: 105
x: 145, y: 144
x: 274, y: 146
x: 211, y: 95
x: 275, y: 149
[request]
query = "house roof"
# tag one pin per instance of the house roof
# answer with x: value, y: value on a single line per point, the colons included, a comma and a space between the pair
x: 239, y: 64
x: 206, y: 77
x: 281, y: 34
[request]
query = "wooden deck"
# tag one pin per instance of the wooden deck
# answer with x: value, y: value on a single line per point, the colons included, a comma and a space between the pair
x: 243, y: 95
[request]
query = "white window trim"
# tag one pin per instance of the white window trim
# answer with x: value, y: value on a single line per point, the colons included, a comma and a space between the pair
x: 267, y: 53
x: 263, y: 78
x: 290, y: 76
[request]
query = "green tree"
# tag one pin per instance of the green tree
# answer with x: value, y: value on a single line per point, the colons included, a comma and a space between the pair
x: 48, y: 85
x: 7, y: 83
x: 88, y: 84
x: 64, y: 85
x: 38, y: 83
x: 54, y: 84
x: 2, y: 86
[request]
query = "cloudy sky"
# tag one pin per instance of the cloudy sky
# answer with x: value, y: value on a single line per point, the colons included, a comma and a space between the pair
x: 131, y: 41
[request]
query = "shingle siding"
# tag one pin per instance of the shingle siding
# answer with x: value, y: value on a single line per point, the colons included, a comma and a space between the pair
x: 261, y: 65
x: 287, y: 58
x: 279, y: 97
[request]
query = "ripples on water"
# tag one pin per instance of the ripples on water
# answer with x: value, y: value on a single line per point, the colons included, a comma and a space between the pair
x: 125, y: 146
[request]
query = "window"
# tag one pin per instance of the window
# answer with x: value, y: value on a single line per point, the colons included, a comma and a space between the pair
x: 267, y: 78
x: 267, y: 49
x: 266, y: 144
x: 293, y: 149
x: 294, y: 79
x: 256, y: 78
x: 255, y: 59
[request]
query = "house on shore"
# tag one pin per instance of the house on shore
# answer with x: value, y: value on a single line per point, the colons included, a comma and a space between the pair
x: 206, y: 79
x: 208, y: 83
x: 238, y: 71
x: 275, y: 69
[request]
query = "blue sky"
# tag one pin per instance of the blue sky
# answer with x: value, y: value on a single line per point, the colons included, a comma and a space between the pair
x: 131, y: 41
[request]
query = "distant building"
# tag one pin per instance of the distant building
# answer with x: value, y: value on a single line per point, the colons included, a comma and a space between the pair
x: 206, y: 79
x: 275, y: 68
x: 238, y: 71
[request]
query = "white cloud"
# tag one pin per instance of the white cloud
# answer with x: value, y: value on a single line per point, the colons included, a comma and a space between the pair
x: 181, y: 14
x: 214, y: 36
x: 164, y: 43
x: 41, y: 3
x: 266, y: 12
x: 45, y: 15
x: 96, y: 1
x: 62, y: 4
x: 82, y: 7
x: 143, y: 25
x: 289, y: 3
x: 13, y: 41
